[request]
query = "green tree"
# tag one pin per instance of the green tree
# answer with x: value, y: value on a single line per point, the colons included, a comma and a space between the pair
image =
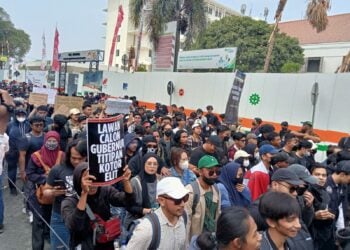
x: 251, y: 39
x: 13, y: 42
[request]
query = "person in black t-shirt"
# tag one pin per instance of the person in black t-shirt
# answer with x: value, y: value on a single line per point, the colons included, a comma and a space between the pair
x: 60, y: 184
x: 208, y: 148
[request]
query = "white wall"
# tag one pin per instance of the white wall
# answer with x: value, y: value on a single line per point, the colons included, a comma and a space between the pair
x: 332, y: 54
x: 283, y: 96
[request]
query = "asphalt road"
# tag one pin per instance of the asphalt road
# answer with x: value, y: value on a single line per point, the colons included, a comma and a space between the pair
x: 17, y: 233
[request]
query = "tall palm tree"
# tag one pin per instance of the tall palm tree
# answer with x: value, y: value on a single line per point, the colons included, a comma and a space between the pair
x: 189, y: 15
x: 316, y: 13
x: 271, y: 43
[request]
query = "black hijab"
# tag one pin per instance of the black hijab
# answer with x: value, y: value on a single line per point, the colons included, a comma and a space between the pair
x: 146, y: 178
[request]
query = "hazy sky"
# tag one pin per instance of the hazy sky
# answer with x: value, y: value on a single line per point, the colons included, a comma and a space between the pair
x: 79, y: 22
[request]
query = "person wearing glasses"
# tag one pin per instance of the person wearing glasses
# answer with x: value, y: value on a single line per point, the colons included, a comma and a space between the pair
x: 34, y: 141
x: 172, y: 197
x: 286, y: 181
x: 149, y: 145
x: 306, y: 198
x: 204, y: 204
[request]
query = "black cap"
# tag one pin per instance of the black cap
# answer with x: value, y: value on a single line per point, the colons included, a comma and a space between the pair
x: 215, y: 140
x: 286, y: 175
x: 343, y: 166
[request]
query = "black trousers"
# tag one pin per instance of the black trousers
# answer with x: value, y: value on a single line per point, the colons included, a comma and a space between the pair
x: 40, y: 231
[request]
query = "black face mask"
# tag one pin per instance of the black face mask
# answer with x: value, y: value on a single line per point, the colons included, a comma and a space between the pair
x: 210, y: 182
x: 168, y: 133
x: 226, y: 138
x: 239, y: 180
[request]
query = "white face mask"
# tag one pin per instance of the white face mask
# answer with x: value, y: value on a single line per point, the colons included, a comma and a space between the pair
x: 151, y: 150
x: 21, y: 119
x: 246, y: 163
x: 184, y: 165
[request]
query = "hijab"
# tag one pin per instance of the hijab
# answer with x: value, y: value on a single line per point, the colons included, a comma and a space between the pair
x: 49, y: 157
x: 229, y: 180
x: 146, y: 178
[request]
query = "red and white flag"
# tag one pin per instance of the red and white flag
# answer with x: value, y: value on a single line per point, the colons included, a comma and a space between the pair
x: 55, y: 63
x: 120, y: 19
x: 43, y: 54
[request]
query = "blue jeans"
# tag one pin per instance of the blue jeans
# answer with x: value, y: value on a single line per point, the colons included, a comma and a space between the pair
x: 1, y: 203
x: 58, y: 226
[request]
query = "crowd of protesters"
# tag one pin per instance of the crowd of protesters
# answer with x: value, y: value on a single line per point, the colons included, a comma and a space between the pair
x: 189, y: 182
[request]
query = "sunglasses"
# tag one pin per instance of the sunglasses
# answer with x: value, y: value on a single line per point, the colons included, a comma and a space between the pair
x: 152, y: 146
x: 299, y: 190
x: 177, y: 201
x: 211, y: 172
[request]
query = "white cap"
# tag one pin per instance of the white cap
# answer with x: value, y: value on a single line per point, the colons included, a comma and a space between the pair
x: 172, y: 187
x: 197, y: 123
x: 240, y: 153
x: 74, y: 111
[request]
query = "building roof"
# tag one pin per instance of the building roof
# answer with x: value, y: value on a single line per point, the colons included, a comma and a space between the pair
x: 336, y: 31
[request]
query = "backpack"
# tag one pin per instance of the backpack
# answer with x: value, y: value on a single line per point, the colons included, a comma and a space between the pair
x: 196, y: 194
x: 156, y: 235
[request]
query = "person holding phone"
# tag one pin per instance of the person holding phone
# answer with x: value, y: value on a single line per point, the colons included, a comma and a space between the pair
x: 59, y: 184
x: 233, y: 191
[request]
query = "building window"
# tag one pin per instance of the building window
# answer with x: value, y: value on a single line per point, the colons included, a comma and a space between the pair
x: 210, y: 10
x: 117, y: 52
x: 150, y: 53
x: 313, y: 64
x: 118, y: 38
x: 216, y: 13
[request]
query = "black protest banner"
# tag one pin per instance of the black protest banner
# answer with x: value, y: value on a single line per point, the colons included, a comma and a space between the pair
x: 105, y: 149
x: 231, y: 114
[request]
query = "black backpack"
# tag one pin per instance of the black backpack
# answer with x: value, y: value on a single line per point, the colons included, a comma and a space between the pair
x: 153, y: 218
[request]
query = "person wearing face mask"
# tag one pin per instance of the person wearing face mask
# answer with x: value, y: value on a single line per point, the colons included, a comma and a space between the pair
x: 233, y: 191
x: 242, y: 158
x: 258, y: 177
x: 37, y: 171
x: 204, y: 203
x: 149, y: 145
x: 16, y: 130
x: 60, y: 125
x: 179, y: 169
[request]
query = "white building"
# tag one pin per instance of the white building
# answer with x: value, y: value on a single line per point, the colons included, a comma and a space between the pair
x: 128, y: 35
x: 324, y: 51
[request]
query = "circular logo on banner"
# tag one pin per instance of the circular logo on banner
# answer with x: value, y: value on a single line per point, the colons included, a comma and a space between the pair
x: 181, y: 92
x: 254, y: 99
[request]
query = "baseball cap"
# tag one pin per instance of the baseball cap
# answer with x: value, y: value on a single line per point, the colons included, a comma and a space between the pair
x: 208, y: 161
x: 343, y: 166
x: 284, y: 123
x: 74, y: 111
x: 215, y: 140
x: 267, y: 149
x: 171, y: 186
x: 240, y: 153
x: 307, y: 123
x: 197, y: 123
x: 286, y: 175
x: 303, y: 173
